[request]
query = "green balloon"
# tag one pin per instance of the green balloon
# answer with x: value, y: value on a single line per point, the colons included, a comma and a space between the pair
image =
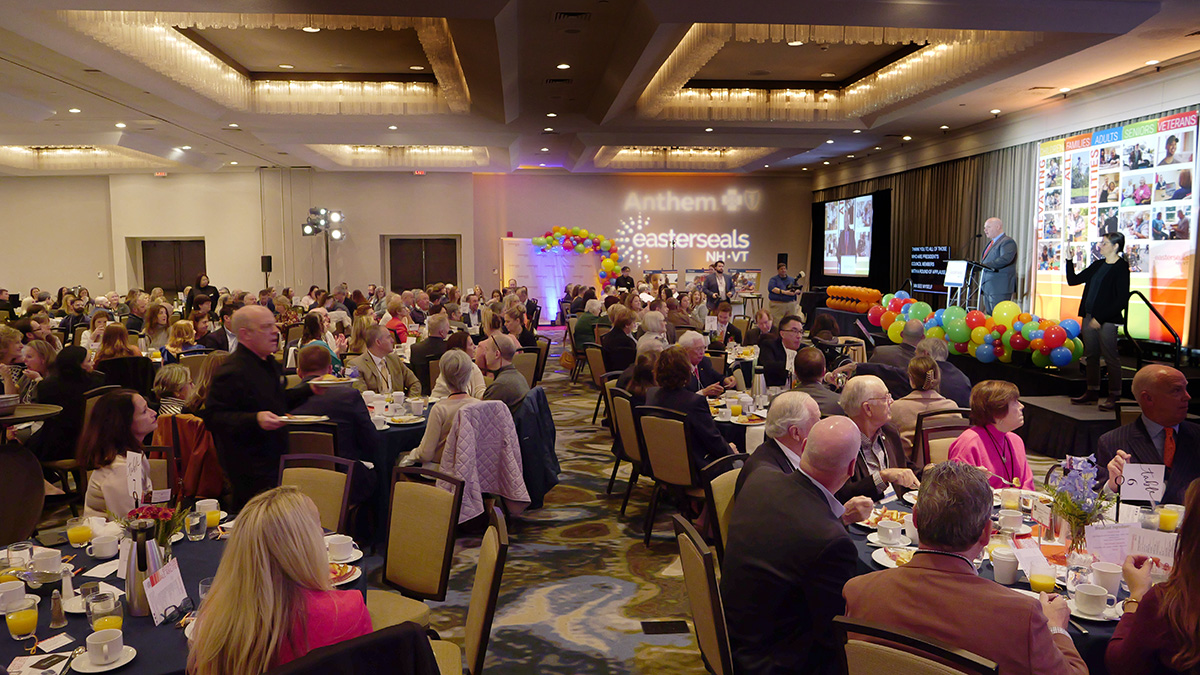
x: 1076, y: 346
x: 1005, y: 339
x: 887, y: 299
x: 953, y: 313
x: 605, y: 245
x: 920, y: 311
x: 579, y: 248
x: 1039, y: 359
x: 956, y: 329
x: 575, y: 231
x: 1028, y: 328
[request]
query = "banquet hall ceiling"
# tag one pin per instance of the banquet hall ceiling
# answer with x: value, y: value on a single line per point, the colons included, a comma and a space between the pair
x: 475, y: 85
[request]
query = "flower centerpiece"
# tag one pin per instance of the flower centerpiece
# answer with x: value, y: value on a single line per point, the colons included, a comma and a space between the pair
x: 168, y: 521
x: 1076, y: 501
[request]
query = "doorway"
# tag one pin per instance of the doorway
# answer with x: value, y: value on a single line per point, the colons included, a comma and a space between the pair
x: 416, y: 263
x: 172, y: 265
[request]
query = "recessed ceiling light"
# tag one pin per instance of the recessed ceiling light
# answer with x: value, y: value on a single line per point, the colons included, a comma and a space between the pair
x: 120, y: 125
x: 545, y: 149
x: 795, y: 43
x: 233, y: 125
x: 825, y: 162
x: 766, y: 166
x: 548, y: 129
x: 185, y: 147
x: 995, y: 111
x: 416, y: 67
x: 878, y: 147
x: 286, y: 66
x: 828, y: 74
x: 542, y: 164
x: 311, y: 29
x: 74, y: 110
x: 906, y: 138
x: 233, y: 163
x: 708, y: 128
x: 1064, y: 90
x: 563, y: 66
x: 850, y: 156
x: 830, y: 141
x: 943, y: 127
x: 1152, y: 62
x: 551, y: 114
x: 804, y: 169
x: 392, y: 127
x: 857, y: 131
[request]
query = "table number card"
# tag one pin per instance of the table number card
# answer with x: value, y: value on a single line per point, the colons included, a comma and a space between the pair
x: 889, y: 495
x: 1143, y: 482
x: 164, y: 590
x: 1110, y: 542
x: 1040, y: 513
x: 135, y: 471
x: 710, y: 324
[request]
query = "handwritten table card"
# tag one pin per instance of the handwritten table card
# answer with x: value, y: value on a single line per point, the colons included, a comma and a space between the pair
x: 1143, y: 482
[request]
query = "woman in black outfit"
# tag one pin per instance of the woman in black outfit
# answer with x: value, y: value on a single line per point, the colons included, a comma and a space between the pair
x: 64, y: 386
x: 1105, y: 297
x: 617, y: 345
x: 672, y: 372
x: 202, y: 287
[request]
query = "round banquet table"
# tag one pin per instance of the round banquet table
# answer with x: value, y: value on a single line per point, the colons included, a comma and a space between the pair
x: 1091, y: 646
x: 29, y: 412
x: 394, y: 441
x: 162, y: 649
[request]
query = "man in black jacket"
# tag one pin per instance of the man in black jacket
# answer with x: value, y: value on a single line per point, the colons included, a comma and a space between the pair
x: 777, y: 356
x: 430, y: 349
x: 245, y: 405
x: 788, y: 557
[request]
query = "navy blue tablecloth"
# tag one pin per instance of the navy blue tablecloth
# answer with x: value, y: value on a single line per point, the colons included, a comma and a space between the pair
x: 394, y: 441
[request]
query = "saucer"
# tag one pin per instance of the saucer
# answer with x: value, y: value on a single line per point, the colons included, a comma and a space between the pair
x: 1110, y: 613
x: 74, y: 605
x: 177, y: 537
x: 356, y: 555
x: 83, y: 663
x: 37, y: 599
x: 873, y: 540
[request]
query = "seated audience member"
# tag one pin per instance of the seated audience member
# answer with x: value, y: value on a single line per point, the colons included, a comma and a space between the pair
x: 380, y: 370
x: 672, y: 372
x: 117, y: 425
x: 203, y: 304
x: 514, y: 325
x: 646, y: 345
x: 1159, y: 631
x: 203, y: 382
x: 579, y: 303
x: 201, y: 324
x: 495, y: 356
x: 705, y: 380
x: 157, y: 329
x: 462, y: 342
x: 763, y: 328
x: 397, y: 319
x: 585, y: 325
x: 115, y: 345
x: 314, y: 333
x: 202, y: 289
x: 10, y: 356
x: 809, y: 370
x: 90, y: 339
x: 617, y: 346
x: 429, y: 349
x: 182, y: 341
x: 679, y: 312
x: 940, y: 595
x: 924, y: 376
x: 881, y: 460
x: 137, y: 312
x: 641, y: 377
x: 472, y: 315
x: 990, y: 442
x: 899, y: 355
x: 1161, y: 435
x: 77, y: 317
x: 172, y: 387
x: 454, y: 316
x: 456, y: 367
x: 954, y: 384
x: 222, y: 337
x: 64, y: 386
x: 787, y: 558
x: 655, y: 325
x: 271, y: 601
x: 357, y: 344
x: 420, y: 312
x: 778, y: 356
x: 726, y: 332
x: 38, y: 356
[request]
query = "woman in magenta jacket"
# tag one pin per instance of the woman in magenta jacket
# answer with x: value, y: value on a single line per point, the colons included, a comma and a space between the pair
x: 990, y: 443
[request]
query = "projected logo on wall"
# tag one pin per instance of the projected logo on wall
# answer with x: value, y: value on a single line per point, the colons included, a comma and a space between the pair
x: 636, y: 236
x: 731, y: 201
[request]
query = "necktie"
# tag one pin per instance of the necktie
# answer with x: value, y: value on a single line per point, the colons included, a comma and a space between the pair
x: 989, y: 248
x: 1169, y: 447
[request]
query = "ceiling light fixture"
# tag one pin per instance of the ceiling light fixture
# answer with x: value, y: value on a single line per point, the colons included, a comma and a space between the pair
x: 392, y: 127
x: 542, y: 164
x: 551, y: 114
x: 857, y: 131
x: 233, y: 163
x: 766, y: 166
x: 828, y: 74
x: 1152, y: 62
x: 830, y: 141
x: 563, y: 66
x: 943, y: 127
x: 878, y: 147
x: 74, y: 110
x: 548, y: 130
x: 1063, y: 90
x: 286, y: 66
x: 416, y: 67
x: 120, y: 125
x: 825, y: 162
x: 906, y: 138
x: 995, y: 111
x: 850, y: 156
x: 311, y: 29
x: 185, y: 147
x: 804, y: 169
x: 709, y: 129
x: 233, y: 125
x: 545, y: 149
x: 795, y: 43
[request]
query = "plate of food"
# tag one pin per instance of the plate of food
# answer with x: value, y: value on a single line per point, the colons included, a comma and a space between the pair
x: 749, y: 420
x: 910, y: 497
x: 405, y: 420
x: 872, y: 521
x: 893, y: 556
x: 304, y: 419
x: 341, y: 573
x: 332, y: 381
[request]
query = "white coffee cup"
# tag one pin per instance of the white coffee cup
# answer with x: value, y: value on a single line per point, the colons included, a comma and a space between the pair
x: 890, y: 531
x: 102, y: 547
x: 379, y: 421
x: 105, y: 646
x: 1107, y: 575
x: 10, y: 593
x: 910, y: 529
x: 46, y: 561
x: 341, y: 547
x: 1092, y: 599
x: 1004, y: 564
x: 206, y: 505
x: 418, y: 406
x: 398, y: 399
x: 1010, y: 520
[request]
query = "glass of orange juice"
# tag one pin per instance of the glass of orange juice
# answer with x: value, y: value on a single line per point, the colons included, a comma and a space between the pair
x: 22, y: 619
x: 213, y: 518
x: 735, y: 409
x: 1168, y: 519
x: 1041, y: 578
x: 104, y: 611
x: 79, y: 533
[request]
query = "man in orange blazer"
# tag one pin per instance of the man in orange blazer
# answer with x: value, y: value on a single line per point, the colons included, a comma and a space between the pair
x: 939, y: 594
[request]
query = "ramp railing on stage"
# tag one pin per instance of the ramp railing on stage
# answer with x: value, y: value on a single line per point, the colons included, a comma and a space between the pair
x: 1161, y: 319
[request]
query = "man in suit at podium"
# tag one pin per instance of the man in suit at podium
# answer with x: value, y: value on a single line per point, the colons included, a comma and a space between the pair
x: 998, y: 282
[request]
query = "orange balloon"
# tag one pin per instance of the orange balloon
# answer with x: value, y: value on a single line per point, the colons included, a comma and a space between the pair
x: 1024, y: 317
x: 989, y: 323
x: 887, y: 319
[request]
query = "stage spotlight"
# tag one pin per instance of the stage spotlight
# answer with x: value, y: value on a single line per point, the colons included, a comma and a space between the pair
x: 335, y: 216
x: 337, y: 234
x: 308, y: 229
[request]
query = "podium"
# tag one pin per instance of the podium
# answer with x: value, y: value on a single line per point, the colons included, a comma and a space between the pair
x: 964, y: 283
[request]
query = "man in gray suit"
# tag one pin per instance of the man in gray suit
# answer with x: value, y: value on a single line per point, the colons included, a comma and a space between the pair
x: 999, y: 281
x: 718, y: 286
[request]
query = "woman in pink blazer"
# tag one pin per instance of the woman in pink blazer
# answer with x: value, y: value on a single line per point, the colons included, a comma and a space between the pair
x: 990, y: 442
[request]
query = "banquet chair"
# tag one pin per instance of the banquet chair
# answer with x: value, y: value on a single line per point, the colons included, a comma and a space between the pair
x: 717, y: 358
x: 24, y: 494
x: 543, y: 344
x: 403, y: 648
x: 1127, y: 412
x: 932, y: 438
x: 891, y: 650
x: 564, y: 312
x: 130, y: 372
x: 485, y: 593
x: 742, y: 323
x: 704, y: 596
x: 201, y: 476
x: 422, y: 523
x: 317, y: 438
x: 854, y: 348
x: 164, y: 468
x: 133, y: 338
x: 739, y: 379
x: 595, y: 359
x: 77, y: 335
x: 667, y: 451
x: 631, y: 448
x: 294, y: 333
x: 720, y: 479
x: 67, y: 469
x: 600, y: 331
x: 526, y: 363
x: 328, y: 488
x: 91, y: 396
x: 193, y: 362
x: 576, y: 350
x: 435, y: 371
x: 292, y: 380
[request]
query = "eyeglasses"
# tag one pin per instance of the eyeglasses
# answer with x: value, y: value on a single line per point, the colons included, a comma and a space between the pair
x: 793, y: 331
x: 887, y: 398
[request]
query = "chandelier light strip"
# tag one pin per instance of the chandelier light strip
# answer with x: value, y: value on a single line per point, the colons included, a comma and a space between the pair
x: 660, y: 157
x: 77, y: 158
x: 405, y: 156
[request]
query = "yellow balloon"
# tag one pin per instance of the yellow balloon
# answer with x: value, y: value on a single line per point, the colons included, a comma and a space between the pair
x: 979, y: 334
x: 1004, y: 313
x: 893, y: 331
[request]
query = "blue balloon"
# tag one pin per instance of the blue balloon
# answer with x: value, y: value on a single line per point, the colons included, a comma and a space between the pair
x: 987, y: 353
x: 603, y: 275
x: 1037, y: 334
x: 1035, y: 318
x: 1061, y: 357
x: 903, y: 295
x: 905, y: 310
x: 1071, y: 326
x: 1017, y: 326
x: 937, y: 316
x: 931, y: 323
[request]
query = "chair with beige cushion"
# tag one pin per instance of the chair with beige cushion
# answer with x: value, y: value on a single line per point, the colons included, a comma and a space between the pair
x: 482, y: 609
x: 422, y: 522
x: 704, y: 596
x: 164, y: 468
x: 193, y: 362
x: 742, y: 323
x: 935, y: 432
x: 720, y: 479
x: 631, y: 448
x: 887, y: 650
x: 526, y: 363
x: 328, y: 488
x: 666, y: 442
x: 316, y: 438
x: 595, y: 358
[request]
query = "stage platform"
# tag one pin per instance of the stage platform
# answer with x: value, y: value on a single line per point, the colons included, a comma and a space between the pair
x: 1056, y: 428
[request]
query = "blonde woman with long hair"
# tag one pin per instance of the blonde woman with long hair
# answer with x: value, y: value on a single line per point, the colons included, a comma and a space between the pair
x: 358, y: 333
x: 195, y: 402
x: 271, y: 601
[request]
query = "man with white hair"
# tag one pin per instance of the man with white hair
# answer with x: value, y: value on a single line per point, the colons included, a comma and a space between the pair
x: 420, y: 312
x: 585, y: 325
x: 899, y: 355
x: 705, y: 379
x: 881, y: 458
x: 788, y: 557
x: 430, y: 349
x: 495, y: 355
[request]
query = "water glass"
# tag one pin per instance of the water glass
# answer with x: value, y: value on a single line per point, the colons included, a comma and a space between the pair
x: 195, y: 524
x: 1076, y: 575
x: 205, y: 586
x: 20, y: 553
x: 1148, y: 517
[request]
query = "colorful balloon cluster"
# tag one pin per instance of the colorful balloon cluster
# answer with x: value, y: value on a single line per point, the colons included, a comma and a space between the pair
x: 580, y: 241
x: 851, y: 298
x: 987, y: 338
